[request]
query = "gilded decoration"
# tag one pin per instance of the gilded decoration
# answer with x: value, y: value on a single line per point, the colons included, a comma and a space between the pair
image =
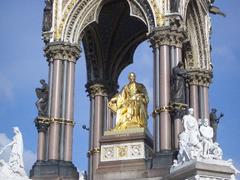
x: 158, y: 15
x: 66, y: 11
x: 130, y: 105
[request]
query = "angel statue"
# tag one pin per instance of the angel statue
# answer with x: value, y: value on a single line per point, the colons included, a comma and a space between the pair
x: 42, y: 102
x: 130, y: 105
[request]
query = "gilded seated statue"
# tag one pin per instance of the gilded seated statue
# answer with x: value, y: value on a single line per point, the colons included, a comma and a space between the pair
x: 130, y: 105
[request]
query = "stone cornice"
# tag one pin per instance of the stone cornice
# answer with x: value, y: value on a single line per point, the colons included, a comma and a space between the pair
x: 62, y: 51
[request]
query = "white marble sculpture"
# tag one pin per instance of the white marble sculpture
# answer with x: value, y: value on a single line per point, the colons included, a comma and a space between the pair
x: 14, y: 167
x: 196, y: 142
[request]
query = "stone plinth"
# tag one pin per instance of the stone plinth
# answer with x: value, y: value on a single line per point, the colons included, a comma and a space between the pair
x: 125, y: 154
x: 54, y: 169
x: 202, y: 170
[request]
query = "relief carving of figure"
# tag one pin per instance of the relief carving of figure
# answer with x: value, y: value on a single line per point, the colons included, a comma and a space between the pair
x: 42, y: 102
x: 179, y: 74
x: 130, y: 105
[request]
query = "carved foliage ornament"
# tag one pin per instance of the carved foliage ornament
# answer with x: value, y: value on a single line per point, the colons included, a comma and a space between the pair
x: 62, y: 51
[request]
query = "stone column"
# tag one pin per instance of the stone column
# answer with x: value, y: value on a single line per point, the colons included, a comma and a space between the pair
x: 63, y: 56
x: 97, y: 93
x: 162, y: 120
x: 42, y: 127
x: 69, y: 111
x: 194, y: 99
x: 204, y: 83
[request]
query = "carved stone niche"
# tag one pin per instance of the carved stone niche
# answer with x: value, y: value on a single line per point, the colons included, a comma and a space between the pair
x: 125, y: 154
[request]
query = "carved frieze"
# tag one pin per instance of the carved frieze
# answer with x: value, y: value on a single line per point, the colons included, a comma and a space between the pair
x: 125, y: 151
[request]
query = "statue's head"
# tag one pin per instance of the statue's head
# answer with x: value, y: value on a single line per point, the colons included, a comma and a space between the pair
x: 190, y: 111
x: 132, y: 77
x: 214, y: 110
x: 205, y: 122
x: 180, y: 64
x: 16, y: 130
x: 42, y: 81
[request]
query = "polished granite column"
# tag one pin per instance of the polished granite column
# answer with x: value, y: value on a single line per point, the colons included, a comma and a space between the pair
x: 58, y: 164
x: 98, y: 94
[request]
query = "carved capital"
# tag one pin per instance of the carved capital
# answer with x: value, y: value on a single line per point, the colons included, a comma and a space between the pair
x: 167, y: 36
x: 102, y: 88
x: 62, y: 51
x: 200, y: 77
x: 97, y: 90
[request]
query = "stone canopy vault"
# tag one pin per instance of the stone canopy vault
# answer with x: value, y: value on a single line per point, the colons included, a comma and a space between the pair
x: 110, y: 31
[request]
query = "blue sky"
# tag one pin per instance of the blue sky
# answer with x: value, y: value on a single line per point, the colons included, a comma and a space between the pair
x: 22, y: 65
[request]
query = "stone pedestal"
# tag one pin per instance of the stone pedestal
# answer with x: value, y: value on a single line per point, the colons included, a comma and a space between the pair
x: 55, y: 170
x: 125, y: 154
x: 202, y: 170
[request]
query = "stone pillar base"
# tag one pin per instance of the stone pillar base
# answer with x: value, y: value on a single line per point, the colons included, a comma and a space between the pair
x: 202, y: 170
x: 124, y: 154
x: 54, y: 170
x: 161, y: 163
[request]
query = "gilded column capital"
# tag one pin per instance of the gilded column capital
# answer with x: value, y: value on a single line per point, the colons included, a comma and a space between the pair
x: 62, y: 51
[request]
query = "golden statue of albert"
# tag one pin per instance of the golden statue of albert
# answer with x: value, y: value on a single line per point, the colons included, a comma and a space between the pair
x: 130, y: 105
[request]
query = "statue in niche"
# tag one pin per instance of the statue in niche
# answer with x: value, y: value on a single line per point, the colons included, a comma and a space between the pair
x: 130, y: 105
x: 179, y: 74
x: 47, y: 15
x: 14, y: 167
x: 214, y: 121
x: 42, y: 102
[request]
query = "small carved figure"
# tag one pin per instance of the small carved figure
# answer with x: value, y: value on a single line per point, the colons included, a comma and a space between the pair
x: 215, y: 10
x: 207, y: 134
x: 179, y: 74
x: 42, y: 102
x: 191, y: 135
x: 130, y: 105
x: 214, y: 121
x: 47, y: 15
x: 14, y: 167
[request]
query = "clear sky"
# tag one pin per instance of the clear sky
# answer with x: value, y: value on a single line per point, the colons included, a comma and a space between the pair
x: 22, y: 65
